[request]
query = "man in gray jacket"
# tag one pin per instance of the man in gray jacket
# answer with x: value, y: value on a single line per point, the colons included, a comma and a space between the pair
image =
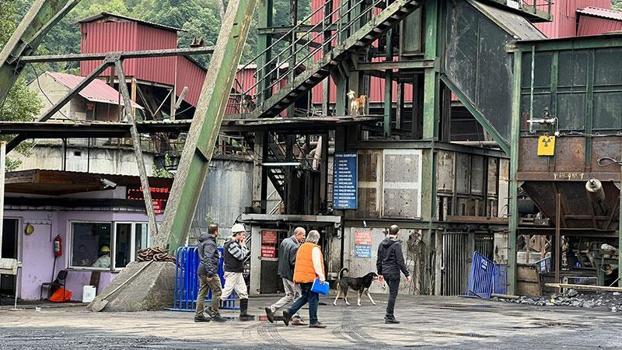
x: 208, y: 276
x: 287, y: 261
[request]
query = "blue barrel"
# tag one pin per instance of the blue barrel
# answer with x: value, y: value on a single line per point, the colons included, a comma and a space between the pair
x: 187, y: 283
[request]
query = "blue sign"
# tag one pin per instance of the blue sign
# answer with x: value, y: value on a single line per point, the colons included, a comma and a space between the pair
x: 362, y: 251
x: 345, y: 192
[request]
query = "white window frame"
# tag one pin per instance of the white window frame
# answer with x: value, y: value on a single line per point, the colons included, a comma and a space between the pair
x: 132, y: 241
x: 70, y: 246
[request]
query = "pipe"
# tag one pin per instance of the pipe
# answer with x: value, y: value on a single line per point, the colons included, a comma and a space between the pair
x: 595, y: 191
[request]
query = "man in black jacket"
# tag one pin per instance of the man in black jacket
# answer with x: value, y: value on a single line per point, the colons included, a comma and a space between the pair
x: 235, y: 254
x: 287, y: 261
x: 390, y: 263
x: 208, y: 276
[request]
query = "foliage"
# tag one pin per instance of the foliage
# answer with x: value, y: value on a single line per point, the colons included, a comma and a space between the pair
x: 617, y: 4
x: 21, y: 103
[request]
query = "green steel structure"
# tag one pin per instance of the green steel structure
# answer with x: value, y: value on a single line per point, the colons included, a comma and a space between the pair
x: 481, y: 52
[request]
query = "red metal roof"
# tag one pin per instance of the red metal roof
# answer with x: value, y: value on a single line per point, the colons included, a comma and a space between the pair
x: 112, y: 17
x: 96, y: 91
x: 600, y: 12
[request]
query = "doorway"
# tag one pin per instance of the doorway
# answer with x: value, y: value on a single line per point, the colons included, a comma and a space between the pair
x: 9, y: 250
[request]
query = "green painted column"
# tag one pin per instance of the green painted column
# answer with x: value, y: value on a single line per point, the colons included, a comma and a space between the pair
x: 264, y: 41
x: 513, y: 198
x: 197, y: 153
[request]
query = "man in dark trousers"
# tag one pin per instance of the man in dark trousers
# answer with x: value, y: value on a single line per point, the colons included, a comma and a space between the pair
x: 287, y: 262
x: 208, y: 276
x: 235, y: 255
x: 389, y: 264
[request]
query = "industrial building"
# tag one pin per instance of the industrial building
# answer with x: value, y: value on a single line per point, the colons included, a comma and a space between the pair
x: 487, y: 125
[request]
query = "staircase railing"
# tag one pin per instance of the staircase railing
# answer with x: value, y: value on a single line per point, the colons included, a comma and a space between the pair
x: 308, y: 46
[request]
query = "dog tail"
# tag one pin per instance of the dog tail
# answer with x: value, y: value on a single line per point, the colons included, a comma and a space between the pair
x: 345, y: 269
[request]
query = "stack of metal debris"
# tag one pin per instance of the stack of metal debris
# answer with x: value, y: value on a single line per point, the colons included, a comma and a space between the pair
x: 611, y: 301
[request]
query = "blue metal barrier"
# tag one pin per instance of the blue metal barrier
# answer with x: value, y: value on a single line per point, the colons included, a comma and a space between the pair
x: 486, y: 277
x: 480, y: 281
x: 187, y: 283
x: 500, y: 279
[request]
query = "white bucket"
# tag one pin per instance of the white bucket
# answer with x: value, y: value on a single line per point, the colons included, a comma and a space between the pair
x: 88, y: 294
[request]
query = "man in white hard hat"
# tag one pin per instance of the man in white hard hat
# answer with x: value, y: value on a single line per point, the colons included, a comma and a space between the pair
x: 235, y: 253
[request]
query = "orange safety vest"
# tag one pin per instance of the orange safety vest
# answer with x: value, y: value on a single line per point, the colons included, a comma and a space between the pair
x: 304, y: 271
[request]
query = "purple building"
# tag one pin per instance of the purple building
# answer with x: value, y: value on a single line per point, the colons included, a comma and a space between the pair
x: 88, y: 212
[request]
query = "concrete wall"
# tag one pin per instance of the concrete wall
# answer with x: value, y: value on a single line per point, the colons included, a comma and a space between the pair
x: 359, y: 266
x: 97, y: 160
x: 35, y: 250
x: 227, y: 190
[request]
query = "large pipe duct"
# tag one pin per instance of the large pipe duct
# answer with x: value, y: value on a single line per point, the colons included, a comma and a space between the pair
x: 596, y: 194
x: 595, y: 191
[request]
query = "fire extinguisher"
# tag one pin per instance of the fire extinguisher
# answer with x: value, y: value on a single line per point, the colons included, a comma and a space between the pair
x: 58, y: 246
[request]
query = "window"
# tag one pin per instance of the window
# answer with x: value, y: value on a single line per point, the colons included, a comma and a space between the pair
x: 130, y: 238
x: 95, y: 245
x: 91, y: 244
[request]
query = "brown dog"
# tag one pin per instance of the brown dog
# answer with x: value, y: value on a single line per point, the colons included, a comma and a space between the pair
x: 357, y: 104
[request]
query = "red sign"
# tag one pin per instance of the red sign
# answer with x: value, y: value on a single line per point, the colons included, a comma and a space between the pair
x: 159, y: 196
x: 269, y: 237
x: 268, y: 251
x: 362, y: 238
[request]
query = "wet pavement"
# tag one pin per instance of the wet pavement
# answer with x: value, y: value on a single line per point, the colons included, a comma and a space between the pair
x: 427, y: 322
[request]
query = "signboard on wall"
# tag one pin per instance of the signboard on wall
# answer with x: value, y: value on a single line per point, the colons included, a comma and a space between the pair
x: 268, y: 237
x: 345, y: 192
x: 159, y: 196
x: 268, y: 251
x: 362, y: 244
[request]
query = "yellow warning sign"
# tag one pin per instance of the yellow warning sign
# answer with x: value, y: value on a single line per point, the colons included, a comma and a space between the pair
x: 546, y: 146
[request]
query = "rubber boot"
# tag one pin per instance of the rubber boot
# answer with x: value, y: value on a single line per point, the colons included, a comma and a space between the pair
x: 244, y: 316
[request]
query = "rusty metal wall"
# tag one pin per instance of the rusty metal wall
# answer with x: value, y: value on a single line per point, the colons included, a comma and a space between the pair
x: 583, y: 89
x: 476, y: 61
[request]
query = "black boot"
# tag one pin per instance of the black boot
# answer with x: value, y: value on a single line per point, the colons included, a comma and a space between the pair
x: 244, y: 315
x: 215, y: 315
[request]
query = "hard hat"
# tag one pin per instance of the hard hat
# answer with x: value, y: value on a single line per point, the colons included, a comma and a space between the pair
x: 237, y: 228
x: 104, y: 249
x: 394, y: 229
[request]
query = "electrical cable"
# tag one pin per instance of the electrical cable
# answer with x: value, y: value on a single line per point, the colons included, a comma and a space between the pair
x: 605, y: 161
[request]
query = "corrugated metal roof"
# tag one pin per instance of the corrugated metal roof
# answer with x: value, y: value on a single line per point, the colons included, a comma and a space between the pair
x: 514, y: 24
x: 104, y: 15
x: 96, y: 91
x: 600, y: 12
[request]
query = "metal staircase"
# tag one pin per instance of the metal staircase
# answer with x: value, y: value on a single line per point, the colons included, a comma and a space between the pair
x: 308, y: 59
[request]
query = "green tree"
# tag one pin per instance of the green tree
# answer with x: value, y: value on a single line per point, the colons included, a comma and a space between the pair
x: 616, y: 4
x: 21, y: 103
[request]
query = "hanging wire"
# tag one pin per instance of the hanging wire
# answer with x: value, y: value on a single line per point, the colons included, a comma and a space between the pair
x: 604, y: 161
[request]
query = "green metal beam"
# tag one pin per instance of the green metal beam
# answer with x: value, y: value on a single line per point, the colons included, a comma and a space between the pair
x: 197, y: 153
x: 574, y: 43
x: 513, y: 200
x: 503, y: 143
x: 43, y: 14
